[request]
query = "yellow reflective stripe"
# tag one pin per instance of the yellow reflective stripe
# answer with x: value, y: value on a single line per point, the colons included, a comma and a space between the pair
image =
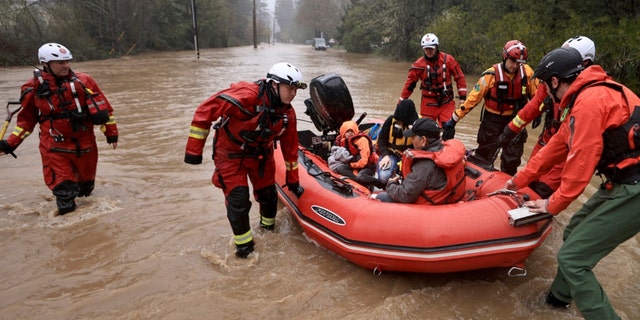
x: 198, y: 133
x: 18, y: 132
x: 518, y: 122
x: 243, y: 238
x: 291, y: 165
x: 267, y: 221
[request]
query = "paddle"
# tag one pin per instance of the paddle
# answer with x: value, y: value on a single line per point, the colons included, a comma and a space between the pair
x: 7, y: 120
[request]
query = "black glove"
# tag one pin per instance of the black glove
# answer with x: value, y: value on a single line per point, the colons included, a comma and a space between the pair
x: 506, y: 136
x: 449, y: 129
x: 295, y: 188
x: 536, y: 122
x: 4, y: 147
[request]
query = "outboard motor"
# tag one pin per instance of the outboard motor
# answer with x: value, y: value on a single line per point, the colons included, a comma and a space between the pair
x: 330, y: 104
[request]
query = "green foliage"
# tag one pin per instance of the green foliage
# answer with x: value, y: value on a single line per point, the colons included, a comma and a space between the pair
x: 360, y: 36
x: 475, y: 31
x: 96, y: 29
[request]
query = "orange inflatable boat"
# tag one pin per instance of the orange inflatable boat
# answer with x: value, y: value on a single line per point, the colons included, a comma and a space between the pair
x: 339, y: 215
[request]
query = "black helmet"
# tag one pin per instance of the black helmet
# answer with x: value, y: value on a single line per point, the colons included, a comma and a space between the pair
x: 563, y: 62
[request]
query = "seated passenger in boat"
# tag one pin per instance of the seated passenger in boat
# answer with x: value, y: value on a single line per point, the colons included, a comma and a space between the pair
x: 361, y: 165
x: 391, y: 141
x: 432, y: 172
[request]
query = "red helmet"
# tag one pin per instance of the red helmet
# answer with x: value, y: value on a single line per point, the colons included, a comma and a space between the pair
x: 516, y: 50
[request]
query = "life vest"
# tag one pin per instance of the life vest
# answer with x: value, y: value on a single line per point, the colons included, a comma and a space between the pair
x: 434, y: 81
x: 398, y: 145
x: 69, y: 98
x: 621, y: 150
x: 451, y: 160
x: 256, y: 132
x: 350, y: 145
x: 506, y: 94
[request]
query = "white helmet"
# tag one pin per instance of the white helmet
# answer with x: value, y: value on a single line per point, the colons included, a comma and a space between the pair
x: 583, y: 44
x: 286, y: 73
x: 53, y: 52
x: 429, y: 40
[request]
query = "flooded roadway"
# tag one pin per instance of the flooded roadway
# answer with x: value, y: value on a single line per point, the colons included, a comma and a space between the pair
x: 154, y: 242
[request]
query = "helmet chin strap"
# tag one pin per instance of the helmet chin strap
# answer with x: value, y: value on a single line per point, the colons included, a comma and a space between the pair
x: 554, y: 92
x: 274, y: 95
x: 504, y: 67
x: 555, y: 98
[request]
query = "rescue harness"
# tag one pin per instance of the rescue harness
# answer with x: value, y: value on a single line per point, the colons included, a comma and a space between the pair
x: 256, y: 134
x: 432, y: 84
x: 507, y: 94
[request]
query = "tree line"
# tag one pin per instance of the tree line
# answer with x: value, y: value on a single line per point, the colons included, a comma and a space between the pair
x: 474, y: 31
x: 112, y: 28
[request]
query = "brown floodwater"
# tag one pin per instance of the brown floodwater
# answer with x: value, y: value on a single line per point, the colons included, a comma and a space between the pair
x: 153, y: 242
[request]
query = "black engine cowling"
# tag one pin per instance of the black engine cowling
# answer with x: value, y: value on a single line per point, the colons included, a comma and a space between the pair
x: 330, y: 103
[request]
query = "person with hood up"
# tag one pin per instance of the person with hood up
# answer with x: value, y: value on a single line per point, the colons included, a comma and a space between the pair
x: 361, y: 166
x: 391, y: 141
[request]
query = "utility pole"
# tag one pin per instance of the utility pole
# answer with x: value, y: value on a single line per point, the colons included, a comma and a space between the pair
x: 255, y: 28
x: 195, y: 28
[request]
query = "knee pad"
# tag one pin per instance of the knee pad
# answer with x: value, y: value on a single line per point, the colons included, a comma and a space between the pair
x: 238, y: 206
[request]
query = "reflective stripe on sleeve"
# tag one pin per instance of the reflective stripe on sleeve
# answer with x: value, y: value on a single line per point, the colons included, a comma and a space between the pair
x: 518, y: 122
x: 20, y: 133
x: 198, y: 133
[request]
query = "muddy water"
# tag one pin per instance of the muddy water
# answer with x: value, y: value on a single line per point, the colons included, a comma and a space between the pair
x: 154, y: 242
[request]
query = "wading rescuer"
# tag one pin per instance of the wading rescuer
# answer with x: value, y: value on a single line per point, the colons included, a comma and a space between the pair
x: 542, y: 105
x: 598, y: 134
x: 66, y: 105
x: 505, y: 88
x: 434, y: 70
x: 249, y: 117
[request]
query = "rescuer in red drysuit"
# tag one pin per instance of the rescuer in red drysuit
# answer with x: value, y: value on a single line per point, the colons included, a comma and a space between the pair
x: 249, y: 117
x: 66, y: 105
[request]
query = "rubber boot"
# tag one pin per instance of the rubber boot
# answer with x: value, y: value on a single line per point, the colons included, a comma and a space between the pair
x: 555, y: 302
x: 86, y: 187
x: 65, y: 194
x: 243, y: 250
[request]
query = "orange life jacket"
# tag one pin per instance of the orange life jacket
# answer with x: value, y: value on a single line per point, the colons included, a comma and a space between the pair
x: 451, y: 160
x: 350, y: 145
